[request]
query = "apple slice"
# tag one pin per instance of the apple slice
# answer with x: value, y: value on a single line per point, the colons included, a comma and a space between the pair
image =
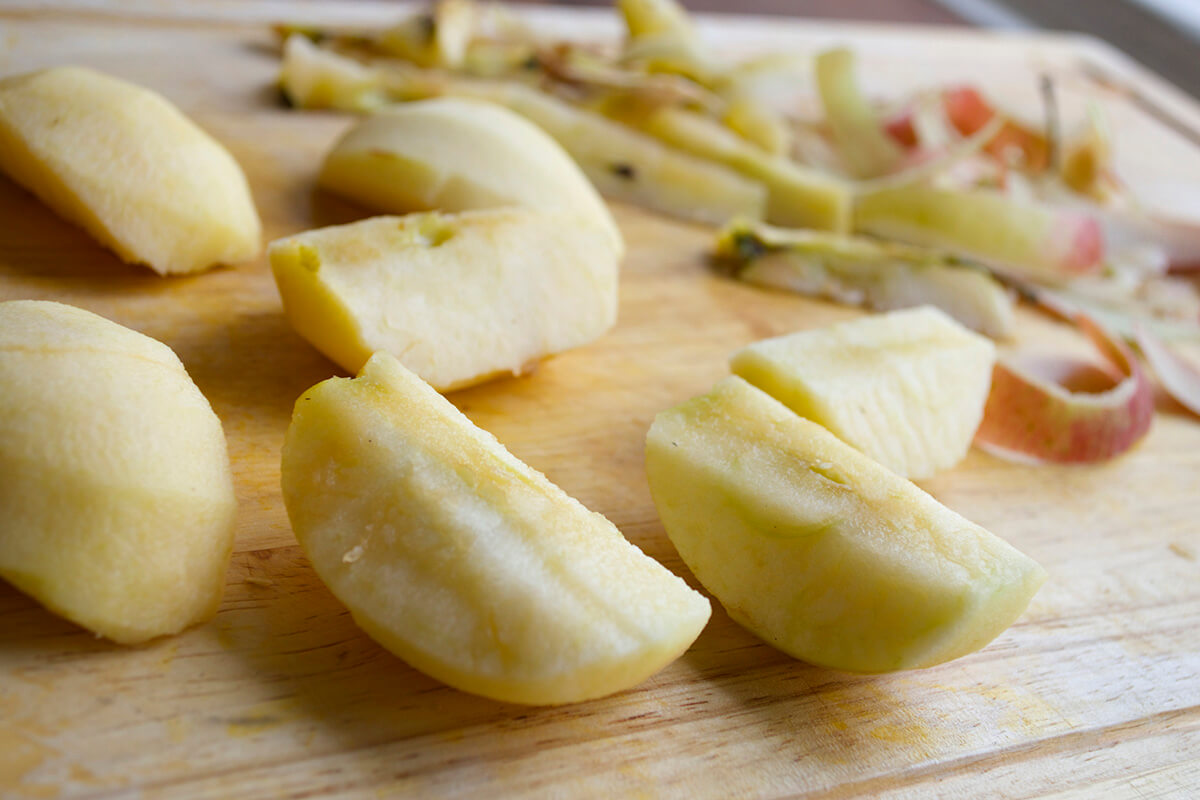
x: 459, y: 298
x: 859, y: 270
x: 117, y: 504
x: 1031, y: 418
x: 464, y: 561
x: 819, y: 550
x: 1031, y: 241
x: 907, y: 388
x: 454, y: 154
x: 128, y: 167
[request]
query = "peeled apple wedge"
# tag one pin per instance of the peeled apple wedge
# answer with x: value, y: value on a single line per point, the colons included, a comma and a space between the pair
x: 819, y: 550
x: 456, y: 154
x: 907, y: 388
x: 117, y: 503
x: 458, y: 298
x: 128, y: 167
x: 464, y: 561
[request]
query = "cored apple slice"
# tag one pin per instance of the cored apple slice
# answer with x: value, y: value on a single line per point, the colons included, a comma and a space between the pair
x: 907, y: 388
x: 819, y: 550
x: 464, y: 561
x: 459, y: 298
x: 1029, y: 417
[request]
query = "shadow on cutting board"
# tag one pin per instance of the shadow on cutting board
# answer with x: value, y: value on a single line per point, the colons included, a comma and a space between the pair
x: 37, y: 243
x: 302, y: 643
x: 837, y: 718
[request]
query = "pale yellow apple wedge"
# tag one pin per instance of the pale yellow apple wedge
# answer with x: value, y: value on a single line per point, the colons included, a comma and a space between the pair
x: 117, y: 502
x: 464, y: 561
x: 458, y: 298
x: 128, y: 167
x: 907, y: 388
x: 456, y: 154
x: 819, y: 550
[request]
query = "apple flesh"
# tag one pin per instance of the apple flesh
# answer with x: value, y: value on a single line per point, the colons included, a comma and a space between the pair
x: 464, y: 561
x: 819, y: 550
x: 906, y: 388
x: 455, y: 154
x: 458, y: 298
x: 128, y: 167
x: 117, y: 504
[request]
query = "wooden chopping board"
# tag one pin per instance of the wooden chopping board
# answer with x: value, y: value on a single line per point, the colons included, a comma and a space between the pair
x: 1095, y: 692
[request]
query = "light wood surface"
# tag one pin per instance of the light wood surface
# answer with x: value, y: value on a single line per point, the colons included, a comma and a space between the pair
x: 1095, y: 692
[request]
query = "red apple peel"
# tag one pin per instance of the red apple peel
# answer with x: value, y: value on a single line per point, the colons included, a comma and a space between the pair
x: 1030, y: 418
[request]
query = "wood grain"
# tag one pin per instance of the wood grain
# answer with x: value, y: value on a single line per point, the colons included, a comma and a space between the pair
x: 1094, y: 692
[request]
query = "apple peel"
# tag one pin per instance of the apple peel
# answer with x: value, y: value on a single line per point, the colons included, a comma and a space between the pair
x: 968, y: 112
x: 1180, y: 378
x: 1025, y: 240
x: 861, y: 142
x: 1030, y: 418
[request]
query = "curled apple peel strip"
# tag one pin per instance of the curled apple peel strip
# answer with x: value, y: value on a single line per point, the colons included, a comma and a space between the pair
x: 1180, y: 378
x: 1030, y: 418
